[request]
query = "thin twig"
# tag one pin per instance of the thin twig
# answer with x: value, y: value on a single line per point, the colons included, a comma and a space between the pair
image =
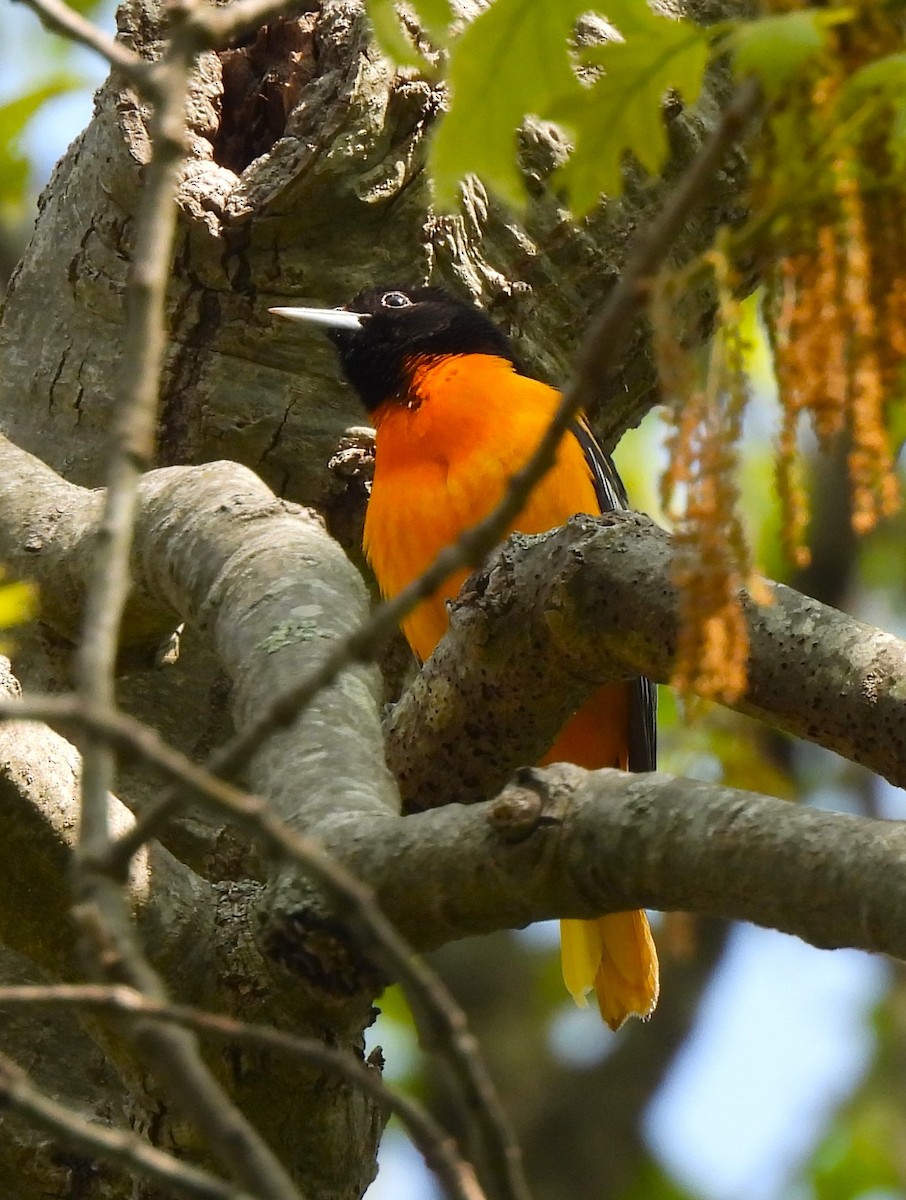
x: 439, y: 1150
x: 598, y: 352
x: 117, y: 1146
x: 70, y: 714
x: 595, y: 361
x: 60, y: 18
x: 101, y: 911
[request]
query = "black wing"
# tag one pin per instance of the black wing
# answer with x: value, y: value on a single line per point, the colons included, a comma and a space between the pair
x: 643, y: 711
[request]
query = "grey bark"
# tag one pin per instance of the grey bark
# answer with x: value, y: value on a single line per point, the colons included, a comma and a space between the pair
x: 608, y: 610
x: 328, y: 199
x: 304, y: 181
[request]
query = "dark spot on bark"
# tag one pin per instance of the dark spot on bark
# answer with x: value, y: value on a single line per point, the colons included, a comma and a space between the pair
x: 320, y: 951
x: 177, y: 431
x: 262, y: 81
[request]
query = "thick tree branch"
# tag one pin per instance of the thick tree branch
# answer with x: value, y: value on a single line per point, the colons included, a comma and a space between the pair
x: 216, y: 548
x: 273, y: 590
x: 552, y: 617
x: 264, y: 204
x: 109, y: 941
x: 589, y: 602
x: 563, y: 842
x: 40, y: 774
x: 267, y: 206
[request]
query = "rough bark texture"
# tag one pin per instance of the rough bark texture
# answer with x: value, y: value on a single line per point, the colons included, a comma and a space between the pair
x: 594, y: 602
x: 304, y: 181
x: 308, y: 193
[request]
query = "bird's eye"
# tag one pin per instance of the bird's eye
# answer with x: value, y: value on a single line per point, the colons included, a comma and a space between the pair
x: 395, y: 300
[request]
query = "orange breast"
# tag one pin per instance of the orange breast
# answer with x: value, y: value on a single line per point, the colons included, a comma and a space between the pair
x: 442, y: 463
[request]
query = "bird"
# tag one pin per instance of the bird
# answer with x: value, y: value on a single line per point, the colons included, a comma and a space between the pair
x: 455, y: 416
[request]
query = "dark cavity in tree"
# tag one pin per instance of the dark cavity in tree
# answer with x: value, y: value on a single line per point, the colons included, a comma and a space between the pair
x: 262, y: 79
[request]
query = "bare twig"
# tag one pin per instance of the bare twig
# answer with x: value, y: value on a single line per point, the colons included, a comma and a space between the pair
x: 117, y: 1146
x: 101, y: 911
x: 60, y: 18
x: 820, y: 695
x: 598, y: 352
x: 438, y: 1148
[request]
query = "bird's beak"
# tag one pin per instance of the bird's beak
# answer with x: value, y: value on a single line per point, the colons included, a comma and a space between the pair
x: 333, y: 318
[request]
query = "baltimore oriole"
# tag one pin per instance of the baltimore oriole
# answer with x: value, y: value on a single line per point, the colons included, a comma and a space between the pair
x: 455, y: 416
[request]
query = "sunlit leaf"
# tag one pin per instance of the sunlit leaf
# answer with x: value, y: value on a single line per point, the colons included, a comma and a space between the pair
x: 87, y: 8
x: 623, y: 111
x: 855, y: 1159
x: 391, y: 35
x: 896, y: 140
x: 653, y: 1183
x: 881, y: 81
x: 518, y: 59
x: 14, y: 117
x: 434, y: 15
x: 511, y: 61
x: 394, y: 1007
x: 884, y: 74
x: 776, y: 48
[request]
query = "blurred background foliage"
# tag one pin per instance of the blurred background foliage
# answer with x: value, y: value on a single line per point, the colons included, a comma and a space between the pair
x: 772, y: 1070
x: 45, y: 98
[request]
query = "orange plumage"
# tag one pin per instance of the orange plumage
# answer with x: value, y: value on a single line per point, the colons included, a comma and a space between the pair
x: 443, y: 459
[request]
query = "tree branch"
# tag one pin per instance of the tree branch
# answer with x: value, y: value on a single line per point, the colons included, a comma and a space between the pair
x: 214, y: 544
x: 40, y: 774
x: 594, y: 602
x: 59, y: 18
x: 566, y: 843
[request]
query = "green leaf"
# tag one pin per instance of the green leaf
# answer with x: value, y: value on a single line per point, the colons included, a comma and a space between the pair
x: 653, y: 1183
x: 623, y: 111
x: 896, y: 139
x: 87, y: 8
x: 776, y: 48
x: 517, y: 59
x: 856, y: 1158
x: 884, y: 75
x: 513, y: 60
x: 14, y: 117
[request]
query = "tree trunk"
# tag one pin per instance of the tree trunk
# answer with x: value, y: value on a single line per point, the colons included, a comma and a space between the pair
x: 304, y: 181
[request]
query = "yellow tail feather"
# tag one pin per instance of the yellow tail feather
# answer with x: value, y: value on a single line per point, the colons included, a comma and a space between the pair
x: 615, y: 955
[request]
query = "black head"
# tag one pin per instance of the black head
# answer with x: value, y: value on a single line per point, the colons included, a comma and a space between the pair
x: 398, y: 327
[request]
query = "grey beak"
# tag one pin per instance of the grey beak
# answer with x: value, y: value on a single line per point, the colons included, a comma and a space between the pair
x: 333, y: 318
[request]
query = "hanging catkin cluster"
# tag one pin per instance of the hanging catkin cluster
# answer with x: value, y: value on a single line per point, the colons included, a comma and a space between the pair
x: 829, y: 213
x: 699, y: 489
x: 837, y: 294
